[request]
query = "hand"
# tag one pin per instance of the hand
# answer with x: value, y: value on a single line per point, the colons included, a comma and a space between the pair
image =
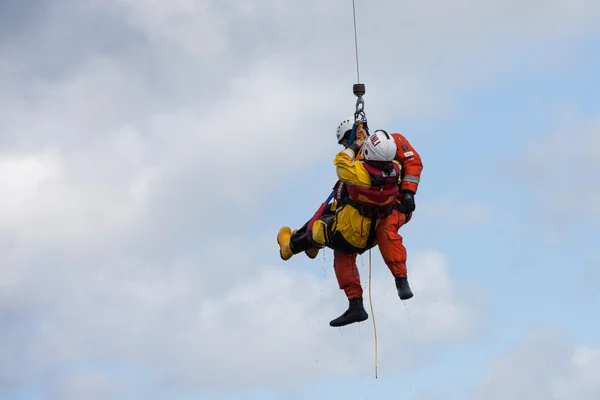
x: 408, y: 201
x: 361, y: 134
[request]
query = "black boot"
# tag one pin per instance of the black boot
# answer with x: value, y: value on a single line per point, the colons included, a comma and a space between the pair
x: 403, y: 288
x: 299, y: 241
x: 355, y: 313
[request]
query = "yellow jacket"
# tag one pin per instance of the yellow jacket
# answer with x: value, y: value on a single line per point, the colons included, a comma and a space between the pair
x: 352, y: 171
x: 349, y: 222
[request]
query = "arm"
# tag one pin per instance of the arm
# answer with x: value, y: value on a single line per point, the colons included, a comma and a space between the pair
x: 349, y: 170
x: 411, y: 163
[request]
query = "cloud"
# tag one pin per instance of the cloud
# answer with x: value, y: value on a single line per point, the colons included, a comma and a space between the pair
x: 560, y: 171
x: 435, y: 48
x: 465, y: 214
x: 182, y: 53
x: 143, y: 147
x: 168, y: 322
x: 50, y: 203
x: 83, y: 384
x: 546, y: 365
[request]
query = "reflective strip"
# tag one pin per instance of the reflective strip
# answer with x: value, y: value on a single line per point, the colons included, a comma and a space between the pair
x: 349, y: 152
x: 410, y: 178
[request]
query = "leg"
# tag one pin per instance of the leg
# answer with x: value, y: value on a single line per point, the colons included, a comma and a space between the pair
x: 299, y: 242
x: 393, y: 251
x: 294, y: 242
x: 347, y: 274
x: 348, y: 279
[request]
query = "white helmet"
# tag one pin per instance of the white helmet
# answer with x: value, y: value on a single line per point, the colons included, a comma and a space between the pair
x: 379, y: 146
x: 344, y: 126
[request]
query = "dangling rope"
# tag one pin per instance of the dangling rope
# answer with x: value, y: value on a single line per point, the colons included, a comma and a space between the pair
x: 373, y: 315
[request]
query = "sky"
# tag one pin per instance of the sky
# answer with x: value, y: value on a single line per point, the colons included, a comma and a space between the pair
x: 151, y: 150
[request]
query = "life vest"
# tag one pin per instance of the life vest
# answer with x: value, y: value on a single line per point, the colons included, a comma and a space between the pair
x: 377, y: 199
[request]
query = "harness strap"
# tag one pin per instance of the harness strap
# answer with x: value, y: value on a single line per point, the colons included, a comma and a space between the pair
x: 367, y: 211
x: 372, y: 232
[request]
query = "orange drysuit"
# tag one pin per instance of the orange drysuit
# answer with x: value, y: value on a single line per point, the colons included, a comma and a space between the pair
x: 389, y: 240
x: 411, y: 163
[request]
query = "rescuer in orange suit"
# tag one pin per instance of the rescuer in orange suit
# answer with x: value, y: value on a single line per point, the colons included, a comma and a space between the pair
x: 389, y: 240
x: 365, y: 195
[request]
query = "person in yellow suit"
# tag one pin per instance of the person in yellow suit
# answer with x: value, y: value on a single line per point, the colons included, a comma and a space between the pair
x: 364, y: 196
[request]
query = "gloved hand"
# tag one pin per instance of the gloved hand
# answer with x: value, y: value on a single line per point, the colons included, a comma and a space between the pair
x: 357, y: 145
x: 408, y: 201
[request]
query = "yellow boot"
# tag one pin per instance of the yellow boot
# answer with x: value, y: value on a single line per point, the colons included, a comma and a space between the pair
x: 283, y: 239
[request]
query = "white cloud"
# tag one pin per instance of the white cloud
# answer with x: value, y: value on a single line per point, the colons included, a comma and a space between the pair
x: 176, y: 25
x: 83, y: 384
x: 269, y: 326
x: 561, y: 168
x: 437, y: 47
x: 546, y: 365
x: 120, y: 123
x: 50, y: 201
x: 463, y: 213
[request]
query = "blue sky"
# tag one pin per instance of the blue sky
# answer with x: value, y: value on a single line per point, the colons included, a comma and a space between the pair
x: 146, y: 173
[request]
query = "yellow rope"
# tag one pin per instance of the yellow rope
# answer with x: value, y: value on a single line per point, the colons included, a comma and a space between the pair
x: 373, y: 315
